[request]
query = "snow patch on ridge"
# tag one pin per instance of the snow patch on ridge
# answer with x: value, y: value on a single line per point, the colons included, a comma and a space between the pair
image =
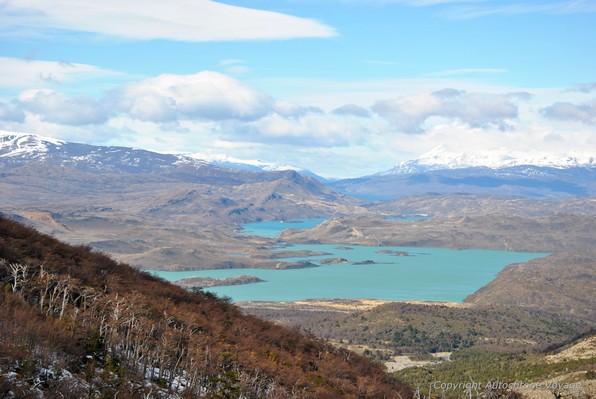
x: 24, y: 145
x: 20, y: 144
x: 440, y: 158
x: 226, y: 160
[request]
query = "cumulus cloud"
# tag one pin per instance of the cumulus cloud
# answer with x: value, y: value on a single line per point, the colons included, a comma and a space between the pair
x: 408, y: 114
x: 448, y: 93
x: 202, y: 96
x: 584, y: 113
x: 310, y: 130
x: 353, y: 110
x: 170, y: 101
x: 55, y: 107
x: 218, y: 105
x: 165, y: 99
x: 182, y: 20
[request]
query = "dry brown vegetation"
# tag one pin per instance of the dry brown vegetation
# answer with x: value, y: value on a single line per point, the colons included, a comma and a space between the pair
x: 562, y: 283
x: 103, y: 329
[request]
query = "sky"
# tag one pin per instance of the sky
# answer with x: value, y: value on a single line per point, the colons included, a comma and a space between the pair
x: 344, y: 88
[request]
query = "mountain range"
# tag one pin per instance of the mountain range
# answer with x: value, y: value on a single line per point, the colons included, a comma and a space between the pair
x: 175, y: 211
x: 57, y: 170
x: 17, y: 147
x: 497, y: 172
x: 440, y: 159
x: 493, y: 172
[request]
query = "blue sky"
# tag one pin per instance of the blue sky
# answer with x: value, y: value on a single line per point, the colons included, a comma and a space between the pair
x: 342, y: 87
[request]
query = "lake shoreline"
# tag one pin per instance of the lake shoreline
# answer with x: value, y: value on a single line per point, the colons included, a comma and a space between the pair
x: 340, y: 304
x: 340, y: 270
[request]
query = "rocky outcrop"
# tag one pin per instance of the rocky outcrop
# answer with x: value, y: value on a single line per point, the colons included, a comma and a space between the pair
x: 333, y: 261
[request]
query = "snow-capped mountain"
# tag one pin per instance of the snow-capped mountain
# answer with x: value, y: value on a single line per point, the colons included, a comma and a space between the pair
x: 437, y: 172
x: 15, y: 148
x: 16, y: 145
x: 229, y: 162
x: 494, y: 172
x: 38, y: 170
x: 441, y: 159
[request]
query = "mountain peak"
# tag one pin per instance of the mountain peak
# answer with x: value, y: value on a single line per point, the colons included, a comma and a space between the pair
x: 441, y: 158
x: 25, y: 144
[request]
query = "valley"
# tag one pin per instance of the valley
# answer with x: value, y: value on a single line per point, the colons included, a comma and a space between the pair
x: 176, y: 214
x: 213, y: 199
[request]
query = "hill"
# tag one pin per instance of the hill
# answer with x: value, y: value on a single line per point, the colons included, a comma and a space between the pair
x: 459, y: 205
x: 76, y: 323
x: 562, y: 283
x: 189, y: 210
x: 560, y: 232
x: 144, y: 182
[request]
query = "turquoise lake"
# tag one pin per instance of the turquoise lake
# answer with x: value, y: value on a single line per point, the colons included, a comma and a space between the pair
x: 429, y: 274
x: 272, y: 229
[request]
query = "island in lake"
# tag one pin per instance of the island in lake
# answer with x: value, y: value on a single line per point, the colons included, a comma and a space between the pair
x: 201, y: 282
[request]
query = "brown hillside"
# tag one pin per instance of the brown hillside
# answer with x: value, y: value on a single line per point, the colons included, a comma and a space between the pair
x: 78, y: 324
x: 562, y: 282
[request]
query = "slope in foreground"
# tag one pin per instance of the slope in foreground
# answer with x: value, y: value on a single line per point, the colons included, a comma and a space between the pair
x: 74, y: 323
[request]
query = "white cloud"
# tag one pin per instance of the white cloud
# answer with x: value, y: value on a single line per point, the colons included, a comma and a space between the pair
x: 181, y: 20
x: 218, y: 112
x: 310, y: 130
x: 352, y: 109
x: 205, y: 95
x: 292, y: 110
x: 584, y: 87
x: 22, y: 74
x: 238, y: 69
x: 584, y: 113
x: 165, y: 99
x: 55, y: 107
x: 408, y: 114
x: 334, y: 93
x: 235, y: 66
